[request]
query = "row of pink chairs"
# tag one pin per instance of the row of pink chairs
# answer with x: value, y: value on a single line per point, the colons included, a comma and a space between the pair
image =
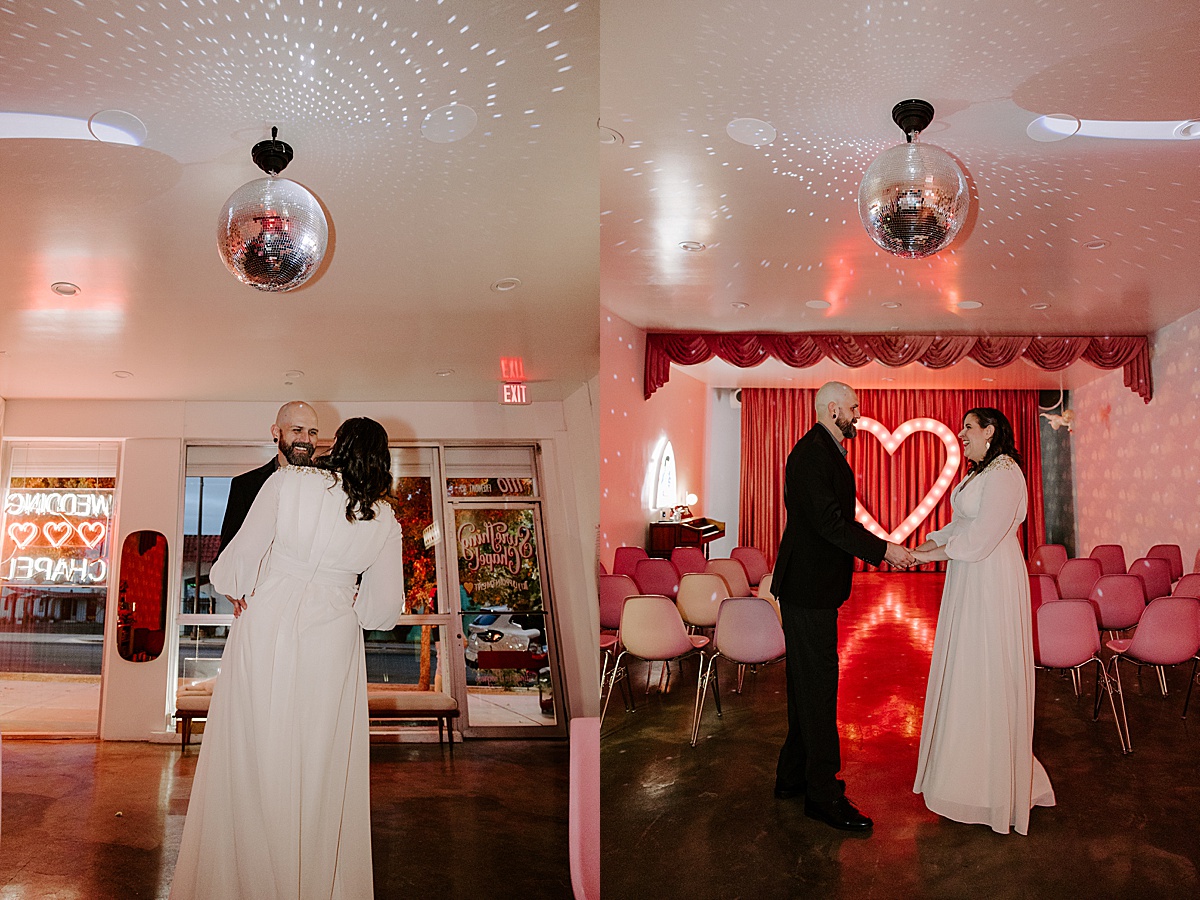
x: 747, y: 631
x: 1166, y: 633
x: 1049, y: 559
x: 1075, y: 578
x: 692, y: 559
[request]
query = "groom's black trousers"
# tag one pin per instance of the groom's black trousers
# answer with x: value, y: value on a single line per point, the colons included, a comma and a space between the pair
x: 811, y: 756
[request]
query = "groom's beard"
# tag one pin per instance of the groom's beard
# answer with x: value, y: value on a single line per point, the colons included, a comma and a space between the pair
x: 298, y: 453
x: 846, y: 426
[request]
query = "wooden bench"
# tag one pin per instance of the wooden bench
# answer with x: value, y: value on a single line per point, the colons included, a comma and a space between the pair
x: 384, y: 704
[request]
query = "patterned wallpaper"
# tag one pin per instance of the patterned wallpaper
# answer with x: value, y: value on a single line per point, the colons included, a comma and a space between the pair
x: 632, y: 429
x: 1137, y: 465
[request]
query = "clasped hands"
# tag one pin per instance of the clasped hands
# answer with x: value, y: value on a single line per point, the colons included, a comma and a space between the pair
x: 903, y: 558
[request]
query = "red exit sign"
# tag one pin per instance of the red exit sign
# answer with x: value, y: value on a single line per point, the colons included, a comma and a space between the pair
x: 512, y: 368
x: 513, y: 394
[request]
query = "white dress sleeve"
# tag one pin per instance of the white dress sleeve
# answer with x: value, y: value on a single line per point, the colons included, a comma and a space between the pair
x: 943, y: 534
x: 381, y: 594
x: 1001, y: 508
x: 235, y: 572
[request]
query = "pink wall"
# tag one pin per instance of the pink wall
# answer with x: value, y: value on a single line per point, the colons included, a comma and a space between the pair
x: 1137, y: 465
x: 631, y: 430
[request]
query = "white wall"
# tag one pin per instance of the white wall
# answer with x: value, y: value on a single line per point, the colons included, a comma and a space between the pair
x: 567, y: 430
x: 723, y: 470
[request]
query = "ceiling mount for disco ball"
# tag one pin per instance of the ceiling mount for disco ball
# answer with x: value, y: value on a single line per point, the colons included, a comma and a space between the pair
x: 272, y: 232
x: 913, y: 199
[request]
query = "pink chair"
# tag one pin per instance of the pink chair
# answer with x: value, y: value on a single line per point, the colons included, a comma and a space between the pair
x: 651, y: 629
x: 689, y: 559
x: 1042, y: 589
x: 1188, y: 586
x: 1172, y: 554
x: 1119, y: 601
x: 583, y: 812
x: 600, y: 570
x: 1111, y: 558
x: 749, y: 634
x: 1067, y: 638
x: 1047, y: 559
x: 613, y: 591
x: 625, y: 558
x: 1167, y: 635
x: 1155, y: 573
x: 700, y: 595
x: 657, y: 576
x: 1077, y: 577
x: 754, y: 563
x: 734, y: 574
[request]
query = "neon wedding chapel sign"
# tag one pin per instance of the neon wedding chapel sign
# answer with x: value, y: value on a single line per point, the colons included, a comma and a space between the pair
x: 56, y: 536
x: 891, y: 441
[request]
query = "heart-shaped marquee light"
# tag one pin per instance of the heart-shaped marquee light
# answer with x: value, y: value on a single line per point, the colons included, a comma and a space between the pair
x: 891, y: 441
x: 57, y: 533
x: 91, y: 533
x: 22, y: 533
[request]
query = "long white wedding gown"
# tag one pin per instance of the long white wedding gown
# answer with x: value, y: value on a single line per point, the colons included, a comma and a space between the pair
x: 976, y: 761
x: 280, y: 806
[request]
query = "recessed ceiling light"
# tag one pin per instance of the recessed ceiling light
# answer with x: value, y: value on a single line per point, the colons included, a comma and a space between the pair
x: 752, y: 132
x: 609, y: 135
x: 818, y: 304
x: 65, y: 288
x: 887, y: 378
x: 1039, y: 305
x: 1098, y: 244
x: 505, y: 284
x: 447, y: 124
x: 121, y: 373
x: 989, y: 380
x: 738, y: 304
x: 891, y: 304
x: 444, y: 372
x: 110, y: 126
x: 1055, y: 127
x: 692, y: 246
x: 115, y: 126
x: 293, y: 374
x: 968, y: 304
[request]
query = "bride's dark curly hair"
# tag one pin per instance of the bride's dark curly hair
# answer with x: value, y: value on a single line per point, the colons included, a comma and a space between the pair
x: 360, y: 456
x: 1004, y: 442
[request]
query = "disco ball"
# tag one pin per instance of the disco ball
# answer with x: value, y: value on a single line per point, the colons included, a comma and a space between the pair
x: 272, y: 234
x: 913, y: 198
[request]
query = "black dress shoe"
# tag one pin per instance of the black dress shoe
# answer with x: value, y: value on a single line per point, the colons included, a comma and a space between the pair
x: 787, y: 793
x: 839, y: 813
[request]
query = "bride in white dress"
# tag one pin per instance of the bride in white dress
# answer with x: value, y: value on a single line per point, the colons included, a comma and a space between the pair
x: 976, y: 761
x: 280, y: 806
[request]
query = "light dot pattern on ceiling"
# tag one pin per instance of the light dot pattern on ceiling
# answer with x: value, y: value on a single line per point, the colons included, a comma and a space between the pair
x: 825, y: 78
x: 376, y: 70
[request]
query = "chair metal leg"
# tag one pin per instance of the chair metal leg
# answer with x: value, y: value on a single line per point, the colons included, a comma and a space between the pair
x: 701, y: 690
x: 716, y: 680
x: 741, y: 677
x: 608, y: 692
x: 1162, y: 679
x: 1103, y: 684
x: 1191, y: 684
x: 1075, y: 681
x: 604, y: 671
x: 1124, y: 719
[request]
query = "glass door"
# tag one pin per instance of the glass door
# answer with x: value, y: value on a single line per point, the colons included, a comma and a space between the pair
x: 54, y: 564
x: 505, y: 627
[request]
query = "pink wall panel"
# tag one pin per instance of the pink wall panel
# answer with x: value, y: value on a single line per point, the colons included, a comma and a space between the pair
x: 632, y: 429
x: 1137, y: 465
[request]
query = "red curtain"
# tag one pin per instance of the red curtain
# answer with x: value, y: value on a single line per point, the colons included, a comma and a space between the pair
x: 1131, y: 353
x: 889, y: 486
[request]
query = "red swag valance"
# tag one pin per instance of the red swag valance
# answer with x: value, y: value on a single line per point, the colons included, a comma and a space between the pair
x: 1131, y: 352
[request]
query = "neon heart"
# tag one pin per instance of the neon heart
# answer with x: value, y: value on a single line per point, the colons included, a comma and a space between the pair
x: 891, y: 441
x: 56, y: 533
x: 22, y: 533
x: 91, y: 533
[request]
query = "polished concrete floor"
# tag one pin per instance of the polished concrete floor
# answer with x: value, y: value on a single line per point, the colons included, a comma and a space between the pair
x: 702, y: 822
x: 84, y: 820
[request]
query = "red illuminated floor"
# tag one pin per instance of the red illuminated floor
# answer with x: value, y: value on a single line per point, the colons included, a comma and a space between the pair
x: 702, y: 822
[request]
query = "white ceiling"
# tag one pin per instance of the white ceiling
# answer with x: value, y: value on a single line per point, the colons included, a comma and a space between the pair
x: 420, y: 230
x: 781, y: 221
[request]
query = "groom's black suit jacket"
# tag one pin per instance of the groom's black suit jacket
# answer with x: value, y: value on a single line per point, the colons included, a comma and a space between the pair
x: 242, y: 491
x: 821, y: 538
